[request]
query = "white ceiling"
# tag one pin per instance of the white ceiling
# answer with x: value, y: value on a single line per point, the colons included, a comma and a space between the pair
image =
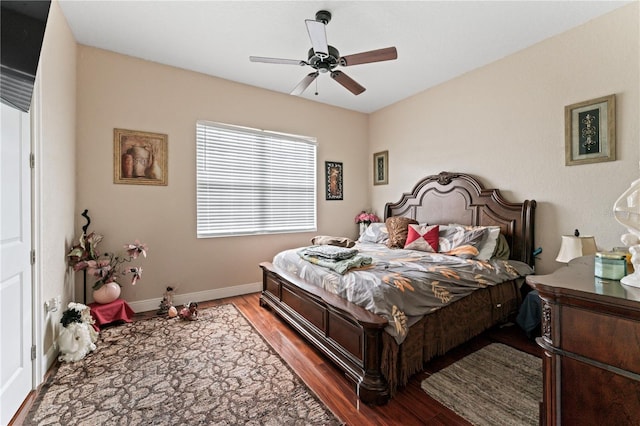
x: 436, y: 40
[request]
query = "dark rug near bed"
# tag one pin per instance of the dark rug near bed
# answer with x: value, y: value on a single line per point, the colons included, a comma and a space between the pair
x: 497, y: 385
x: 215, y: 370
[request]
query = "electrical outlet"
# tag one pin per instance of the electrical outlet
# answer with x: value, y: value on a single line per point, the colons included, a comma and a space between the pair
x: 52, y: 305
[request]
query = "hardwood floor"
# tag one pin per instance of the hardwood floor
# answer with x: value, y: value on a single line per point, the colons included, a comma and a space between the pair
x: 411, y: 406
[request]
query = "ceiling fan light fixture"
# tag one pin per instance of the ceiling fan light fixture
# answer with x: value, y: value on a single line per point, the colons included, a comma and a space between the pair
x: 324, y: 67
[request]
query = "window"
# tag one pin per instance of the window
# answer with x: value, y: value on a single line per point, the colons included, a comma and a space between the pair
x: 252, y: 181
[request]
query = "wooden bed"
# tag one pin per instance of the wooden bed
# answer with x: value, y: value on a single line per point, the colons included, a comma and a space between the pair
x: 354, y: 338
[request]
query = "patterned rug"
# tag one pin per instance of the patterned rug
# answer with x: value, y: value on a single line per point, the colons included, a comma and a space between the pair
x: 497, y: 385
x: 215, y: 370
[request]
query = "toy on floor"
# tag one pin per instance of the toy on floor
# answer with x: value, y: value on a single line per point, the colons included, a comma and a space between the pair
x: 167, y: 302
x: 189, y: 312
x: 77, y: 336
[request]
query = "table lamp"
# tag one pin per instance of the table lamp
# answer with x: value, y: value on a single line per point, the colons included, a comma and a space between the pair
x: 573, y: 246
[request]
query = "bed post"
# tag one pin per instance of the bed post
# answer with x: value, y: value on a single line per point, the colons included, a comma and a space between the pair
x: 373, y: 388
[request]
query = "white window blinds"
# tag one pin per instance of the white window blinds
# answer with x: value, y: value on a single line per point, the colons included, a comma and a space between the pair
x: 251, y: 181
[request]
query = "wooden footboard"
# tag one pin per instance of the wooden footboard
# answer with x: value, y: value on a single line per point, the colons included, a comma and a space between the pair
x: 346, y: 333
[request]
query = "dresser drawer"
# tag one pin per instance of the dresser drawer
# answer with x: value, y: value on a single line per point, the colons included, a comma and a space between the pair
x: 606, y: 338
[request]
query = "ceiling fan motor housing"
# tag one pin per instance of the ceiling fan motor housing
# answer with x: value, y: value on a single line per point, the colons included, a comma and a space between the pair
x: 324, y: 64
x: 323, y: 16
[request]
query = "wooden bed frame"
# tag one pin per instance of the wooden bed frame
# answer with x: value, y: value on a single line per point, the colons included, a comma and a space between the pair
x: 354, y: 338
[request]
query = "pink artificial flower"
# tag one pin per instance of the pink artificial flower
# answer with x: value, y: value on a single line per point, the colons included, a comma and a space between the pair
x: 100, y: 269
x: 137, y: 274
x: 366, y: 217
x: 136, y: 249
x: 83, y: 264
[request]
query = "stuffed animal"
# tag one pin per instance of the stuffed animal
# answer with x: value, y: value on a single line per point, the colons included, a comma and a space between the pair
x: 77, y: 336
x: 189, y: 312
x: 75, y: 342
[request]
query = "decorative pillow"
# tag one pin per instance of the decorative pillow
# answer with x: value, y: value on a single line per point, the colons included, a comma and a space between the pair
x: 502, y: 252
x: 375, y: 233
x: 398, y: 228
x: 423, y: 238
x: 457, y: 241
x: 488, y: 244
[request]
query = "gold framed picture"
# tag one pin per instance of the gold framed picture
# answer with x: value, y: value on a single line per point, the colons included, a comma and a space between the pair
x: 590, y: 131
x: 381, y: 168
x: 139, y: 158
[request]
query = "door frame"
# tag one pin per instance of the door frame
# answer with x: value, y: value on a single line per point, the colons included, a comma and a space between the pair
x: 40, y: 362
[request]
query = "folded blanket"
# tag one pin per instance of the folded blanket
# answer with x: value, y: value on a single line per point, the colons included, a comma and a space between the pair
x: 331, y: 252
x: 322, y: 240
x: 340, y: 266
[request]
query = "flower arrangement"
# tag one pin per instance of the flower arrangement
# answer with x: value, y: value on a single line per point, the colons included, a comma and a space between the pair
x: 107, y: 267
x: 366, y: 218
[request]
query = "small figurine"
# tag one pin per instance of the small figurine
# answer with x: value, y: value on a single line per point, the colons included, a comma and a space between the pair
x: 173, y: 312
x: 189, y: 312
x: 167, y: 302
x: 164, y: 307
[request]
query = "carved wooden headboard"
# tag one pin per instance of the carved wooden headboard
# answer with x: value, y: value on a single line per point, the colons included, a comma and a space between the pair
x: 460, y: 198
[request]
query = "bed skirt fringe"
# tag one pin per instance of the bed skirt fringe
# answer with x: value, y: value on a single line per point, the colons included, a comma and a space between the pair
x: 443, y: 330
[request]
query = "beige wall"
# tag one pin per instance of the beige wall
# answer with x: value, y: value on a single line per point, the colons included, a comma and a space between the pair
x: 116, y: 91
x: 505, y: 124
x: 54, y: 118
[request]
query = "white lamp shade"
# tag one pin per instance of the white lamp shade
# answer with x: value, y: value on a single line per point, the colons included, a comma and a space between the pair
x: 573, y: 247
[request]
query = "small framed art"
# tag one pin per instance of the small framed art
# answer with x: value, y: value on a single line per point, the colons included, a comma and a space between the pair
x: 333, y: 180
x: 139, y: 158
x: 381, y: 168
x: 590, y: 131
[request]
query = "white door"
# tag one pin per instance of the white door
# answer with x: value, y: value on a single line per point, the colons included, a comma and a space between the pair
x: 16, y: 375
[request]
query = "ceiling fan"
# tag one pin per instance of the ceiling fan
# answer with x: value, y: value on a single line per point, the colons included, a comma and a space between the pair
x: 325, y: 59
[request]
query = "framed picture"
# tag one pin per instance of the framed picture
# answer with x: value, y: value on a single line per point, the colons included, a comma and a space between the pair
x: 590, y: 131
x: 333, y: 179
x: 139, y: 158
x: 381, y: 168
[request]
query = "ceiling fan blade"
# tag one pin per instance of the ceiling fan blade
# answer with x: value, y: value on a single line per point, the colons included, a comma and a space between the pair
x: 348, y: 83
x: 318, y: 35
x: 386, y: 54
x: 277, y: 60
x: 297, y: 91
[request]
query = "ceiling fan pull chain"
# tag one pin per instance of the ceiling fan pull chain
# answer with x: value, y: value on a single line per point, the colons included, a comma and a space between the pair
x: 316, y: 87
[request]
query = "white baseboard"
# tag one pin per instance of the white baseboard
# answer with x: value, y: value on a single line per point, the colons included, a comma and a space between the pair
x: 200, y: 296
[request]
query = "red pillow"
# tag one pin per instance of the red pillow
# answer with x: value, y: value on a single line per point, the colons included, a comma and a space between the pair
x: 423, y: 238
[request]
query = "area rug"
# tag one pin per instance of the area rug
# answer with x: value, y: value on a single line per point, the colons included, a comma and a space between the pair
x: 215, y: 370
x: 497, y: 385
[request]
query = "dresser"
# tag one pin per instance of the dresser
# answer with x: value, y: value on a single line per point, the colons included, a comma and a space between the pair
x: 591, y: 342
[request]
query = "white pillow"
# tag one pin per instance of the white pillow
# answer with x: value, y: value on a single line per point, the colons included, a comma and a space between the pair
x: 488, y: 244
x: 375, y: 233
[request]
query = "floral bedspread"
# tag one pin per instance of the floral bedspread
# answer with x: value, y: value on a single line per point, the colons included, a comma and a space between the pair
x: 403, y: 285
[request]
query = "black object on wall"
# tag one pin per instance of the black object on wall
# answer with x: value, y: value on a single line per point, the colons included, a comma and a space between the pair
x: 22, y: 26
